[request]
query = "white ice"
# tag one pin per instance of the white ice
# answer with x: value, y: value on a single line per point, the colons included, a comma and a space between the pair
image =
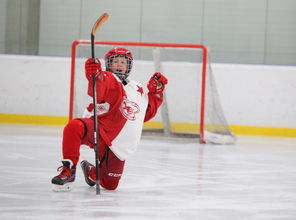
x: 166, y: 179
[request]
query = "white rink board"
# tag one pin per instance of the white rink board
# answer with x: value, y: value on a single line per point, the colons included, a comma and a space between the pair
x: 251, y: 95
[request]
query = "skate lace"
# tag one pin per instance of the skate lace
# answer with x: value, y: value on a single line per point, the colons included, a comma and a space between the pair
x: 65, y: 171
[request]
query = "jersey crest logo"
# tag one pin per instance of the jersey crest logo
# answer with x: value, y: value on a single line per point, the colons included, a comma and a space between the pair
x: 129, y: 109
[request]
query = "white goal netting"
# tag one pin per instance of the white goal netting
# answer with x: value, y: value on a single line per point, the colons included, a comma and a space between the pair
x: 192, y: 107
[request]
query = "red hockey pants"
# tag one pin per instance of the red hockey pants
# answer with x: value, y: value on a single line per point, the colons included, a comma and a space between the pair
x: 81, y: 131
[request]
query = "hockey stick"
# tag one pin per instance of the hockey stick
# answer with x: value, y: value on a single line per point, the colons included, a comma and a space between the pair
x: 96, y: 26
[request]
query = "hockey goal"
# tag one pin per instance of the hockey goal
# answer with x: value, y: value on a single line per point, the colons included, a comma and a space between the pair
x: 191, y: 108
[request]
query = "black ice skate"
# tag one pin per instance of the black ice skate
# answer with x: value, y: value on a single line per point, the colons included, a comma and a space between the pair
x: 86, y: 168
x: 63, y: 182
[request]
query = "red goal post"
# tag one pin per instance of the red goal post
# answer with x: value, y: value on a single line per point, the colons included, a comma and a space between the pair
x: 204, y: 64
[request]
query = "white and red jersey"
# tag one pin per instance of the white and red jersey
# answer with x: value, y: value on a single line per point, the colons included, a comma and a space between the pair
x: 122, y: 110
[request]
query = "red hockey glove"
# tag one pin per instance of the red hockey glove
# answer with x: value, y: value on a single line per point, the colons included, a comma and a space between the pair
x: 92, y: 66
x: 157, y: 83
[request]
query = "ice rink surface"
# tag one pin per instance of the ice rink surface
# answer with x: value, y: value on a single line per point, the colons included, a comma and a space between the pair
x: 166, y: 179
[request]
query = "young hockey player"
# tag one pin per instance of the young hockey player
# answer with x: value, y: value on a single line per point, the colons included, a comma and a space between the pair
x: 122, y: 108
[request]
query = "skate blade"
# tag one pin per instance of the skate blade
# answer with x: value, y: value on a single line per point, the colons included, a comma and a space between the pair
x: 62, y: 188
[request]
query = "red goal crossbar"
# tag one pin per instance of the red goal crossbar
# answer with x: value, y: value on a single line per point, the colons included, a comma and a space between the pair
x: 143, y: 44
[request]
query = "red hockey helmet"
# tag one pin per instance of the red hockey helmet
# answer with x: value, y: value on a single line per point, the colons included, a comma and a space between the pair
x: 119, y: 52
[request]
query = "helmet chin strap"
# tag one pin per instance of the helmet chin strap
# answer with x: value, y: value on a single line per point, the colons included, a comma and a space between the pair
x: 122, y: 76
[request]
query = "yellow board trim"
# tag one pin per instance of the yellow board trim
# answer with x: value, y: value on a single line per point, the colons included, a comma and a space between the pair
x: 33, y: 119
x: 236, y: 129
x: 263, y: 131
x: 176, y: 126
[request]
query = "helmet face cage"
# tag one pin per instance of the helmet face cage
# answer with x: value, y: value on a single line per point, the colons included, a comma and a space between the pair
x: 119, y: 52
